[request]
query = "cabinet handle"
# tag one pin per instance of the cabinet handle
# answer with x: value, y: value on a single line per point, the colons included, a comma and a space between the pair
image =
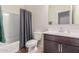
x: 59, y: 49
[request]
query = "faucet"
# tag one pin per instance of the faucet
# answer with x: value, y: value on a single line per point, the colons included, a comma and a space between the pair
x: 68, y: 31
x: 64, y: 31
x: 61, y: 29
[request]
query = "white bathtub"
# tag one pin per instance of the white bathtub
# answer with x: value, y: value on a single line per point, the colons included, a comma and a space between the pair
x: 10, y: 48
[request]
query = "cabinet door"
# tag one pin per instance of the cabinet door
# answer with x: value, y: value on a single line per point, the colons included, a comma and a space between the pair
x: 69, y: 49
x: 50, y: 46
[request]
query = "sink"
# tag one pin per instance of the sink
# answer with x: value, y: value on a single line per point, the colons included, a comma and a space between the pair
x: 57, y: 33
x: 68, y: 34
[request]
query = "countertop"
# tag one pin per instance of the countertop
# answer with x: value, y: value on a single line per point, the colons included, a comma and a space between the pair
x: 71, y: 34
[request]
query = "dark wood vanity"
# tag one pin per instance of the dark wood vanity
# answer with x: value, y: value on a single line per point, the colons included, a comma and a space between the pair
x: 60, y: 44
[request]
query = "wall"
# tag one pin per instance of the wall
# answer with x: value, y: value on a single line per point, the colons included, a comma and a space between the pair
x: 39, y: 16
x: 73, y: 28
x: 76, y: 14
x: 12, y: 8
x: 53, y: 12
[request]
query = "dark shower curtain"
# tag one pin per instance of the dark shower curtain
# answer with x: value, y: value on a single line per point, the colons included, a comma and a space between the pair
x: 25, y: 27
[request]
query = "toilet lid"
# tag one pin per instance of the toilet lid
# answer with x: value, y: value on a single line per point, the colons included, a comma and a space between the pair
x: 31, y: 43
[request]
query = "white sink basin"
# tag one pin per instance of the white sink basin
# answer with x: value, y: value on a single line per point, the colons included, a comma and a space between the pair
x: 57, y: 33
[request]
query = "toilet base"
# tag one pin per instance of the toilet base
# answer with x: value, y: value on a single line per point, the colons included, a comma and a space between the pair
x: 32, y: 50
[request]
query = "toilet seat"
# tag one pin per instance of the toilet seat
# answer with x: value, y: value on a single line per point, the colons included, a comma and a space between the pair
x: 31, y: 43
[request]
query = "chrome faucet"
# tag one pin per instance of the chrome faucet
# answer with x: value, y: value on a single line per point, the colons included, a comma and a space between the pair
x: 64, y: 31
x: 68, y: 31
x: 61, y: 29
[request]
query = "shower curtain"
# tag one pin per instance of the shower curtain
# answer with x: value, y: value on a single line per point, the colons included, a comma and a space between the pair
x: 25, y: 27
x: 2, y: 38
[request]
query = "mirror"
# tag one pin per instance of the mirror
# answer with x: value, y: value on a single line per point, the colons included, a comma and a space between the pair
x: 60, y: 14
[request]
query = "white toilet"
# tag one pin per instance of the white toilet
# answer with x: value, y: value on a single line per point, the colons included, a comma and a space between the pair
x: 32, y: 44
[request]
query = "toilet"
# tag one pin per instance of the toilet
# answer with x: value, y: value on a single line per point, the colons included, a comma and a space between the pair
x: 32, y: 44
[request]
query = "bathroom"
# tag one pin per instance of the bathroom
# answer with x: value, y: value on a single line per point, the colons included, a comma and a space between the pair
x: 46, y: 20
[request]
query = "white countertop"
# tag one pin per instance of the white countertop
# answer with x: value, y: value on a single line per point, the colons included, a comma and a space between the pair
x: 71, y: 34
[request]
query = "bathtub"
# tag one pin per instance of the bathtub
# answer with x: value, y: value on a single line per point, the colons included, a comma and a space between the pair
x: 10, y: 48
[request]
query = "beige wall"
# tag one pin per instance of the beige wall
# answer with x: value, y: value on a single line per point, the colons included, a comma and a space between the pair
x: 39, y: 16
x: 76, y: 14
x: 12, y: 8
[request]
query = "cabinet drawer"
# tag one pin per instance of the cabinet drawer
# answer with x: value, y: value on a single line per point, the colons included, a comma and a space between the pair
x: 68, y: 40
x: 59, y: 39
x: 49, y: 37
x: 62, y: 39
x: 75, y: 42
x: 50, y: 47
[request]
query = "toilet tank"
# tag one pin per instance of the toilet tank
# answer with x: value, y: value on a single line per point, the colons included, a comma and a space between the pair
x: 38, y: 35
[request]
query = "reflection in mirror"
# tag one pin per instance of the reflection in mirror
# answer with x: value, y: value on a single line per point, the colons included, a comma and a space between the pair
x: 63, y: 17
x: 60, y: 14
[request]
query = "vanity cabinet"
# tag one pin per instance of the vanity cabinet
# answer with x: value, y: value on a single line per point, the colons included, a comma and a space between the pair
x: 50, y: 46
x: 57, y: 44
